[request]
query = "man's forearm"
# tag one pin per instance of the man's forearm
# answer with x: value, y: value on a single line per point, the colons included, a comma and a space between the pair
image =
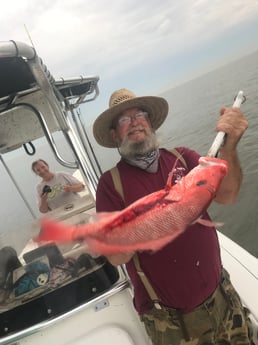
x: 230, y: 186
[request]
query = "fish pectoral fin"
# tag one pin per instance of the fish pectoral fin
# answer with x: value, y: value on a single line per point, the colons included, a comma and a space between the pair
x: 175, y: 196
x: 176, y: 193
x: 207, y: 222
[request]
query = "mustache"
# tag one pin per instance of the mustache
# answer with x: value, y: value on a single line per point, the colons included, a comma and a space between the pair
x: 136, y: 128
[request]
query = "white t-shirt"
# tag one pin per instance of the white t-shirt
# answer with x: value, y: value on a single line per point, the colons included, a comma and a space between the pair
x: 57, y: 197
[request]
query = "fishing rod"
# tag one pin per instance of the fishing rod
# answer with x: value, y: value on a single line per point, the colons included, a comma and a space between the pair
x: 220, y: 137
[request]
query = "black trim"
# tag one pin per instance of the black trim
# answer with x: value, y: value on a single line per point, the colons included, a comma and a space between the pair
x: 59, y: 301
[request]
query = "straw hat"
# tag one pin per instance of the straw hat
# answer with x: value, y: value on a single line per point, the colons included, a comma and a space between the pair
x: 121, y: 100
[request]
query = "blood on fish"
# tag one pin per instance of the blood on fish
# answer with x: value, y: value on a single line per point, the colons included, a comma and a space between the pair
x: 150, y: 222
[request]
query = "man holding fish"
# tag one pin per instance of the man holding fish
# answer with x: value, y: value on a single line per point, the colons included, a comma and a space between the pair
x: 152, y: 217
x: 181, y: 291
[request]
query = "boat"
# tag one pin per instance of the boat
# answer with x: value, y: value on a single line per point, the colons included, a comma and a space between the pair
x: 76, y: 298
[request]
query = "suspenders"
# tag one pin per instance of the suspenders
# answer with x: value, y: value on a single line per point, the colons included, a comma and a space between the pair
x: 119, y: 188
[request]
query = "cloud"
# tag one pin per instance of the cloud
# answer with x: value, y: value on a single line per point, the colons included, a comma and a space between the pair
x: 120, y: 37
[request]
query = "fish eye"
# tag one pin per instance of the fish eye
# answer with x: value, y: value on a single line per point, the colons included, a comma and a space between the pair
x: 201, y: 182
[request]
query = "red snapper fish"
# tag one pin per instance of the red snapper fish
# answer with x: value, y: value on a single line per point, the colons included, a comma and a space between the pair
x: 150, y: 222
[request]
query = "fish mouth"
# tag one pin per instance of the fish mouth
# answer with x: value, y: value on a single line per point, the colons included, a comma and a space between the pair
x: 210, y: 161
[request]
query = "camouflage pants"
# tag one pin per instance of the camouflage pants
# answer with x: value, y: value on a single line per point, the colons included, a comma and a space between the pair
x: 220, y: 320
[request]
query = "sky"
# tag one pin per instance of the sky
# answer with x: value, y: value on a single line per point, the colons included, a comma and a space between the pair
x: 147, y: 46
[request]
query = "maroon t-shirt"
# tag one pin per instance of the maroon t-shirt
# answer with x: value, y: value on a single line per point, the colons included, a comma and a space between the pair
x: 186, y: 271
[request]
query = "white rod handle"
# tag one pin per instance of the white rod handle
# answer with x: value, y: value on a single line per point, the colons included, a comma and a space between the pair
x: 219, y: 139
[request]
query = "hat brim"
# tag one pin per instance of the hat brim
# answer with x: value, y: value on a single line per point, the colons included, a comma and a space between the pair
x: 156, y: 107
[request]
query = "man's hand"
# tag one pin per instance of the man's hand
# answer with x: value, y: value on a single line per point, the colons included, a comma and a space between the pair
x: 234, y: 124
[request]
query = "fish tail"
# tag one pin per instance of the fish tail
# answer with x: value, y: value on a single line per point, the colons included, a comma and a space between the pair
x: 52, y: 230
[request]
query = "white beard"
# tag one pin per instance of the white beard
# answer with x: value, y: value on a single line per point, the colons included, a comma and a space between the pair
x: 130, y: 150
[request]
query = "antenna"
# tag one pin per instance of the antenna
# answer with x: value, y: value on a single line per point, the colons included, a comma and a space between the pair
x: 27, y: 32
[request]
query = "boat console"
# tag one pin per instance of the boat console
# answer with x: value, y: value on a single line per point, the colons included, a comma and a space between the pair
x: 55, y: 292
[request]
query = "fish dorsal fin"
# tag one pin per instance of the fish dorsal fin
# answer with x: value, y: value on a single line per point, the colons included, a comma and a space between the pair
x: 209, y: 223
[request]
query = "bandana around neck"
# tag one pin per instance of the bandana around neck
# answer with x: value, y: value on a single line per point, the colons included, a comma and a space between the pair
x: 148, y: 161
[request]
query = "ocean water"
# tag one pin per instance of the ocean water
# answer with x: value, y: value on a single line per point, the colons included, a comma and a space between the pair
x: 194, y: 109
